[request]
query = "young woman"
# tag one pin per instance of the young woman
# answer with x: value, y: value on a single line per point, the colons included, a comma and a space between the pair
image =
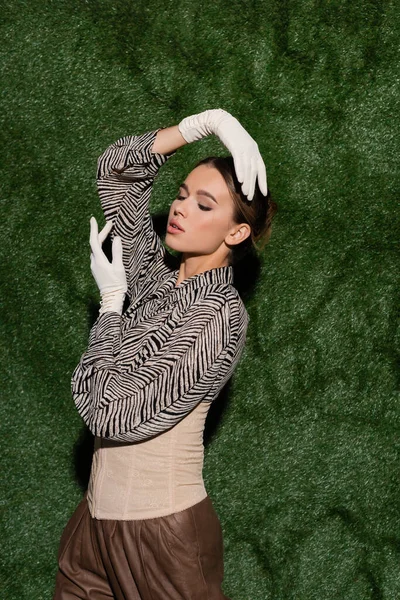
x: 146, y: 528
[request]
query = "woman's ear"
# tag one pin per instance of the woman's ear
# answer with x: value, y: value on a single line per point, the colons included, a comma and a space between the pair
x: 240, y: 233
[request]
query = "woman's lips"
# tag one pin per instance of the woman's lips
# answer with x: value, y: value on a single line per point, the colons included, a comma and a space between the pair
x: 171, y: 229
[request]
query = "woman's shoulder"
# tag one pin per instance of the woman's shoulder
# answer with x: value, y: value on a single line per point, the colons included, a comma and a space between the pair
x: 226, y: 298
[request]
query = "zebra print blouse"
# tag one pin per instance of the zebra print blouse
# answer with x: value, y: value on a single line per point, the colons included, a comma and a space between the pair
x: 175, y: 345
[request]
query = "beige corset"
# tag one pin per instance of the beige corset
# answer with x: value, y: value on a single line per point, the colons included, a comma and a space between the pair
x: 153, y: 478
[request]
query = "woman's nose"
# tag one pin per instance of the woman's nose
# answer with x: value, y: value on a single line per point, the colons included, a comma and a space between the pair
x: 178, y: 210
x: 180, y: 207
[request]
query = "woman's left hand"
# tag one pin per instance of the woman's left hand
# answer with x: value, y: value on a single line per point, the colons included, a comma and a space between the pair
x: 110, y: 277
x: 249, y: 165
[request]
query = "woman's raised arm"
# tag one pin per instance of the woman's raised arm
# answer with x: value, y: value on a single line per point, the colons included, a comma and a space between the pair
x: 168, y: 140
x: 125, y: 174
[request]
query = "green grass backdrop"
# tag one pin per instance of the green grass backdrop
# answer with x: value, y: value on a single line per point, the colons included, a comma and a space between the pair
x: 303, y: 468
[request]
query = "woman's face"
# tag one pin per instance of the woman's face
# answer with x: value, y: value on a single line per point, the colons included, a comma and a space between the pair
x: 204, y: 209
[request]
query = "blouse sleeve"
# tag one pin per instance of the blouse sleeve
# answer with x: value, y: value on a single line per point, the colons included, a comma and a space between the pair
x: 132, y: 402
x: 125, y: 175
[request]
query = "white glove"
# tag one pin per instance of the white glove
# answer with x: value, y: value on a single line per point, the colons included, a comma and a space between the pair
x: 247, y: 159
x: 110, y: 277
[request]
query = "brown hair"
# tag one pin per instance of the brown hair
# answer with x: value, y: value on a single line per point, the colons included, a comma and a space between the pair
x: 258, y: 212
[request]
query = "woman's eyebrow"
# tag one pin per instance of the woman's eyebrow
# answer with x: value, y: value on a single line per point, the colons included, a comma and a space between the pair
x: 202, y: 192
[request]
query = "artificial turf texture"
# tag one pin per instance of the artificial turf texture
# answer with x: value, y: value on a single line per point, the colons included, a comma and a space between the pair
x: 303, y: 465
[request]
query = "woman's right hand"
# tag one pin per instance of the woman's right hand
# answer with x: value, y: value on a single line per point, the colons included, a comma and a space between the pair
x: 110, y: 277
x: 248, y: 161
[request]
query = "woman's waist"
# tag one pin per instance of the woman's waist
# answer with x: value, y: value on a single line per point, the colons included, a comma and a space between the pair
x: 159, y: 472
x: 170, y: 454
x: 140, y: 467
x: 143, y: 490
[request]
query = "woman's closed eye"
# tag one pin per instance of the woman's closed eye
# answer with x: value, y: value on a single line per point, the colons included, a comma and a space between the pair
x: 200, y: 205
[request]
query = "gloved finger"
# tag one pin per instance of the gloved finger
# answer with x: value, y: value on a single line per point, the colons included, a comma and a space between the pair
x: 93, y: 265
x: 117, y: 251
x: 94, y: 240
x: 252, y: 181
x: 247, y: 178
x: 262, y: 176
x: 105, y: 231
x: 94, y: 236
x: 237, y: 161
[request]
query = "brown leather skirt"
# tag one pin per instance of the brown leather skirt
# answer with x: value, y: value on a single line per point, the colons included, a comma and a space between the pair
x: 177, y: 557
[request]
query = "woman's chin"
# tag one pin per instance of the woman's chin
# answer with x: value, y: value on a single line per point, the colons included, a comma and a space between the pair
x: 170, y: 241
x: 171, y: 236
